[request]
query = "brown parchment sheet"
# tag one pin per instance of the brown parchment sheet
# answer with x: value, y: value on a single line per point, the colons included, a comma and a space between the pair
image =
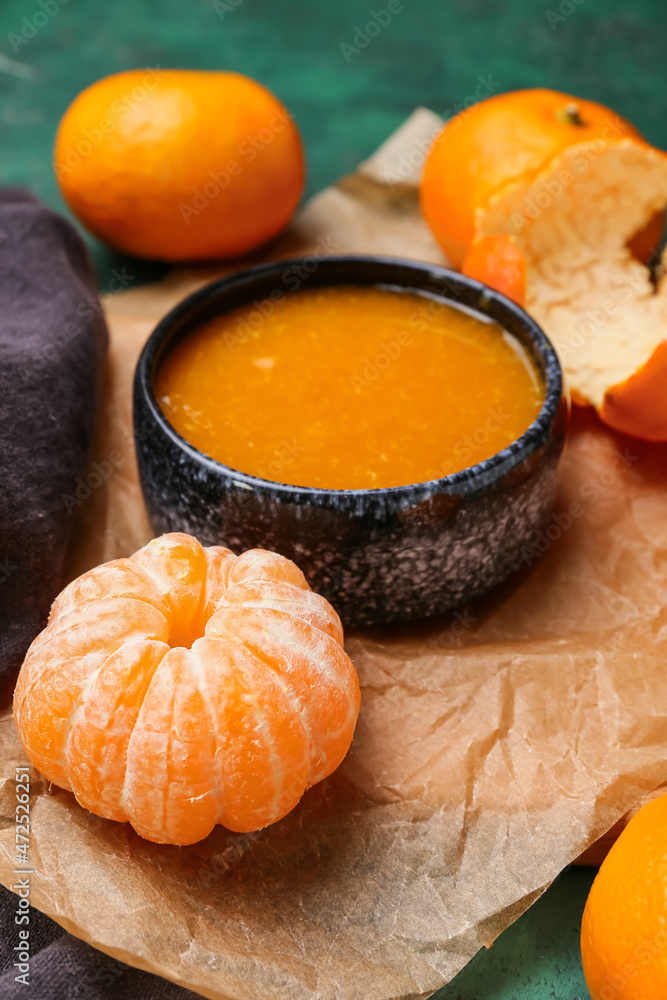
x: 494, y: 744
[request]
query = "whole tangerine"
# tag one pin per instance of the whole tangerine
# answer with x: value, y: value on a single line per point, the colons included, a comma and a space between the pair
x: 624, y: 928
x: 180, y: 164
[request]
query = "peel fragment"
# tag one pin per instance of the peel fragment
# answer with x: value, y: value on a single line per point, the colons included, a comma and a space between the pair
x: 632, y: 403
x: 498, y: 262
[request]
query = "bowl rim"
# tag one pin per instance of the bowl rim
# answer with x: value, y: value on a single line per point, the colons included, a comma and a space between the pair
x: 480, y: 475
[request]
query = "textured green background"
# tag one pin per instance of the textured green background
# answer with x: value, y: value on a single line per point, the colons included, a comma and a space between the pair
x: 431, y: 53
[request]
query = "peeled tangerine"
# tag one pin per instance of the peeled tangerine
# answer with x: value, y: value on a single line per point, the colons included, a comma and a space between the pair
x: 575, y: 189
x: 185, y: 687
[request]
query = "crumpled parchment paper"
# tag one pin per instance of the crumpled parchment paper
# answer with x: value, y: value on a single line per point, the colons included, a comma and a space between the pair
x: 494, y: 745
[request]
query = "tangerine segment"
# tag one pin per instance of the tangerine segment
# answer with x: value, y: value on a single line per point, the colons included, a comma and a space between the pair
x: 185, y: 687
x: 96, y: 748
x: 219, y: 562
x: 217, y: 740
x: 177, y: 566
x: 303, y: 604
x: 118, y: 578
x: 60, y: 665
x: 306, y: 660
x: 170, y: 757
x: 259, y: 564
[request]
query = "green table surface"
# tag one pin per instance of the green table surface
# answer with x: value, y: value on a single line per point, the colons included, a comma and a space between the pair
x: 432, y: 52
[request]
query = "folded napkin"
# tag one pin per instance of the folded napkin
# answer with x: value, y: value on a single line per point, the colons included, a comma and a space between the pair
x: 53, y: 341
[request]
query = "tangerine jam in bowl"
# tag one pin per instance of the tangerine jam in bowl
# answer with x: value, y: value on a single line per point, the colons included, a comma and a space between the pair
x: 391, y: 426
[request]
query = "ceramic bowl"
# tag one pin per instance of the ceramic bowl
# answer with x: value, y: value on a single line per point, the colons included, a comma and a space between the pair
x: 378, y: 555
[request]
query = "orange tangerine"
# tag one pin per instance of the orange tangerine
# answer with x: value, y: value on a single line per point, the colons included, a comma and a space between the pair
x: 506, y: 140
x: 624, y: 932
x: 560, y: 203
x: 180, y: 164
x: 185, y: 686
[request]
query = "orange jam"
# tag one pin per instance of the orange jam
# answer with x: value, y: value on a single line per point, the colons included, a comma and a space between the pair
x: 349, y: 387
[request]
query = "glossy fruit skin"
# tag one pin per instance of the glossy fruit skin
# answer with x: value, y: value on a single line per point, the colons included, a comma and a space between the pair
x: 624, y: 928
x: 498, y: 262
x: 178, y: 164
x: 184, y: 687
x: 508, y: 138
x: 637, y: 406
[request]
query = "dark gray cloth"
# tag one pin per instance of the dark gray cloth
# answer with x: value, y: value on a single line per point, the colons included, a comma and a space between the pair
x: 53, y: 341
x: 64, y: 968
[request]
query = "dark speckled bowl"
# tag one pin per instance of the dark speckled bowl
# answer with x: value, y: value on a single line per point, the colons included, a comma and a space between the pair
x: 378, y: 555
